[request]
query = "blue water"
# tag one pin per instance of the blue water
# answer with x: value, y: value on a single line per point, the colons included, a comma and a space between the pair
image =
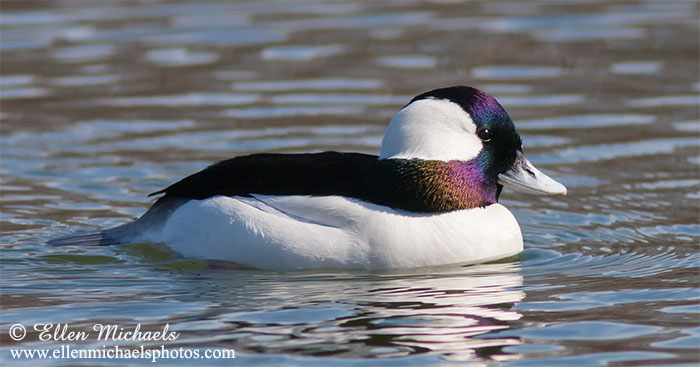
x: 103, y: 103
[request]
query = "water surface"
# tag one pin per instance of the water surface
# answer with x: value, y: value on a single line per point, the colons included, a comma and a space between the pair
x: 105, y: 102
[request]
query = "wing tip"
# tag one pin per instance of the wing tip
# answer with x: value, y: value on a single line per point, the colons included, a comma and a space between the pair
x: 157, y: 193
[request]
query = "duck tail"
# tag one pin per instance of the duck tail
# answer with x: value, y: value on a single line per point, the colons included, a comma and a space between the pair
x: 106, y: 237
x: 139, y: 230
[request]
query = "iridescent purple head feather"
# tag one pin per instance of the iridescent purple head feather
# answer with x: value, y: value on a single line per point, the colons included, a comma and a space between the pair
x: 476, y: 180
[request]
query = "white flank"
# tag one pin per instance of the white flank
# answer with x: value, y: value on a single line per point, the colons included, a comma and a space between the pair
x: 433, y: 129
x: 301, y: 232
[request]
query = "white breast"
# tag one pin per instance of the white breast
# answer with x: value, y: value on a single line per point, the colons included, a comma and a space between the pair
x: 301, y: 232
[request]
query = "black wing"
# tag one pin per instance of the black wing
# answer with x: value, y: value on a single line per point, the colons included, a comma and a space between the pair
x: 408, y: 184
x: 327, y: 173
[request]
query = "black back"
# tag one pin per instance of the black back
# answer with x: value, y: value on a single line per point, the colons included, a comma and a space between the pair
x: 408, y: 184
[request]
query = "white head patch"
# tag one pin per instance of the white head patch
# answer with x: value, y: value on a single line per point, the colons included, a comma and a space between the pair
x: 431, y: 129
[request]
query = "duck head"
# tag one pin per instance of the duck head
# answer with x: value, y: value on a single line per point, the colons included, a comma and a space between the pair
x: 464, y: 124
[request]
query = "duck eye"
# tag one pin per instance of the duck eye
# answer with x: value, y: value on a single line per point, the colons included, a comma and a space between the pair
x: 484, y: 134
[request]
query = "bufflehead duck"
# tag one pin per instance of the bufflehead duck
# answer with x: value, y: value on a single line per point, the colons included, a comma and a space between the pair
x: 429, y: 198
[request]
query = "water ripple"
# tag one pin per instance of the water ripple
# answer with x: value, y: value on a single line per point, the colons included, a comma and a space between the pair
x: 179, y: 57
x: 300, y: 52
x: 612, y: 151
x: 625, y: 265
x: 308, y: 84
x: 586, y: 121
x: 408, y: 61
x: 183, y: 100
x: 679, y: 100
x: 516, y: 72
